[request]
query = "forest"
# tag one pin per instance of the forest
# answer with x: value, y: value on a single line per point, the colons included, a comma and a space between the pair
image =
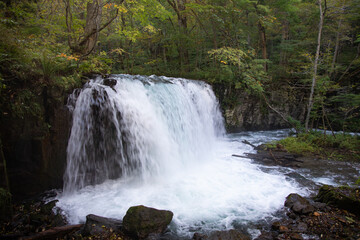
x: 241, y: 45
x: 292, y: 64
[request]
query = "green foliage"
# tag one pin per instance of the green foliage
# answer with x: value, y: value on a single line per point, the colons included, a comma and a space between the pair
x: 100, y: 64
x: 216, y: 41
x: 297, y: 145
x: 337, y: 147
x: 248, y: 72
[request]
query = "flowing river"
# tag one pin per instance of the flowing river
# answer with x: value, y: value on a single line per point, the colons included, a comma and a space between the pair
x: 161, y: 142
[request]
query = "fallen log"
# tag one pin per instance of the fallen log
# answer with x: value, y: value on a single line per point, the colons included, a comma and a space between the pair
x: 54, y: 233
x: 248, y: 143
x: 240, y: 156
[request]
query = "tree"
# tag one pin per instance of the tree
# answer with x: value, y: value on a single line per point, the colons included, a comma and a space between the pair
x: 84, y: 44
x: 311, y: 97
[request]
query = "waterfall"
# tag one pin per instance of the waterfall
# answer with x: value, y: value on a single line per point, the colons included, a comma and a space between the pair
x: 160, y: 142
x: 137, y: 127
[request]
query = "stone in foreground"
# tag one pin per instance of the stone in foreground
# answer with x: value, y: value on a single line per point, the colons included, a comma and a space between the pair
x: 142, y: 221
x: 222, y: 235
x: 298, y: 204
x: 96, y: 225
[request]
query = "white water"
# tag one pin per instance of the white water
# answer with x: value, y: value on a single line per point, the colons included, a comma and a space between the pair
x: 160, y: 142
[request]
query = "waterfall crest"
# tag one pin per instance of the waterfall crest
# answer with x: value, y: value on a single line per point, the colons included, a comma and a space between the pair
x: 137, y: 127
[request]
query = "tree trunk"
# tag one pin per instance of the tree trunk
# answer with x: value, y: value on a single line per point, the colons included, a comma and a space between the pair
x: 92, y: 26
x: 337, y: 43
x: 5, y: 181
x: 284, y: 38
x: 179, y: 8
x: 311, y: 97
x: 87, y: 42
x: 263, y: 43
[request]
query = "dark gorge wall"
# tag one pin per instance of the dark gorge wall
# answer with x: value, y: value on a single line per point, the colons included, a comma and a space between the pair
x: 247, y: 112
x: 35, y: 146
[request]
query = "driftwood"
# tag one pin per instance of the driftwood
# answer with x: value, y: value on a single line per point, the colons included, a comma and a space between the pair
x: 248, y: 143
x: 275, y: 156
x: 54, y: 233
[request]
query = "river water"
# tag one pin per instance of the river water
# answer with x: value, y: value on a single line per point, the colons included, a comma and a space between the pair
x: 160, y: 142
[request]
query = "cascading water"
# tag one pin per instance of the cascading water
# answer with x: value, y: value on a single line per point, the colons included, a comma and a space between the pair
x: 139, y: 128
x: 161, y: 142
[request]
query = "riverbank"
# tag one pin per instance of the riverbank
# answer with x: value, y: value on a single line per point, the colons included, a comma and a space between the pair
x: 332, y: 214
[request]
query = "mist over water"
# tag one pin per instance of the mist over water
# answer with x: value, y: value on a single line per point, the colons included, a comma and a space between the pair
x: 160, y: 142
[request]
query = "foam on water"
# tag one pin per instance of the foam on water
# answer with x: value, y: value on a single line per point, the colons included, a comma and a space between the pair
x: 168, y: 151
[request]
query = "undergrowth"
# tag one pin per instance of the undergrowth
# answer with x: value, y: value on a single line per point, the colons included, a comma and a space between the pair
x: 336, y: 147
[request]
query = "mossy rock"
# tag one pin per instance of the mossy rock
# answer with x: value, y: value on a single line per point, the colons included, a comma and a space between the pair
x: 341, y: 197
x: 141, y: 221
x: 5, y: 205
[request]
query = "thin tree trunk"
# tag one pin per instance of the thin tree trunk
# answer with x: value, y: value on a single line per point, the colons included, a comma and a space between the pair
x: 284, y: 38
x: 4, y: 168
x: 311, y: 97
x: 337, y: 42
x: 263, y: 43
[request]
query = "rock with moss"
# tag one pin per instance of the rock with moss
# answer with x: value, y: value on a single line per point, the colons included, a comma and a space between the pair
x: 341, y: 197
x: 96, y: 225
x: 141, y: 221
x: 5, y: 205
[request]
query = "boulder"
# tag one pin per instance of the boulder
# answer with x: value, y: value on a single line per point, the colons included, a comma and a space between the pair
x: 141, y: 221
x: 111, y: 82
x: 96, y: 225
x: 341, y: 197
x: 222, y: 235
x: 298, y: 204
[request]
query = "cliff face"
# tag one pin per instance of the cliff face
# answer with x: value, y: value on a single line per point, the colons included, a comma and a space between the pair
x: 35, y: 147
x: 248, y: 112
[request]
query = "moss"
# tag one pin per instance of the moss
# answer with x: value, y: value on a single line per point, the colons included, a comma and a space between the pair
x: 339, y: 147
x: 342, y: 197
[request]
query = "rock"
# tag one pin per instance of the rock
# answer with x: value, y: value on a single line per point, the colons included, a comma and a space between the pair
x: 142, y: 221
x: 296, y: 236
x: 265, y: 236
x: 298, y: 204
x: 96, y: 225
x: 5, y: 205
x: 301, y: 227
x: 342, y: 197
x: 222, y: 235
x: 110, y: 82
x: 199, y: 236
x: 48, y: 207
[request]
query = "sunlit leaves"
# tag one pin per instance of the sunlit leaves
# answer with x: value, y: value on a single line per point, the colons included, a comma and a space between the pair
x: 249, y: 71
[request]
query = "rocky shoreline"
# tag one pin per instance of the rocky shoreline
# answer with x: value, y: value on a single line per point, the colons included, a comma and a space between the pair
x: 334, y: 213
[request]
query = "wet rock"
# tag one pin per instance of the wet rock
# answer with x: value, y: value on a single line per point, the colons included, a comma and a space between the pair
x: 301, y: 227
x: 222, y: 235
x: 296, y: 236
x: 110, y: 82
x: 342, y: 197
x: 266, y: 236
x: 96, y: 225
x: 298, y: 204
x: 199, y: 236
x: 142, y: 221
